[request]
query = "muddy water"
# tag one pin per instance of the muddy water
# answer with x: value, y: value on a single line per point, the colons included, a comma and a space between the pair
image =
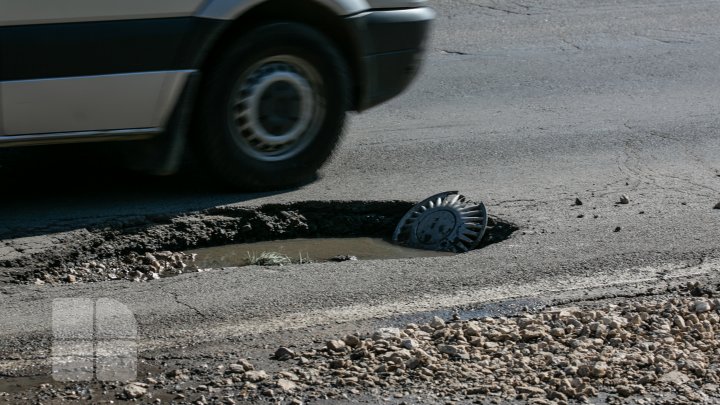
x: 314, y: 250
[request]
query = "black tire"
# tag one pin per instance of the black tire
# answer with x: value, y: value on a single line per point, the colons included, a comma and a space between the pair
x: 240, y: 156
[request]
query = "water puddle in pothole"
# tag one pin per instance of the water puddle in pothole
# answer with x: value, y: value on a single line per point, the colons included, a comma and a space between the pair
x: 306, y: 250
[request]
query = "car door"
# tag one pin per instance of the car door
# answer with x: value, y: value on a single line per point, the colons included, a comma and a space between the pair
x: 70, y: 66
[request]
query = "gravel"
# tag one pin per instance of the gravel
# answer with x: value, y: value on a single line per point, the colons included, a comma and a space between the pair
x: 651, y: 351
x: 559, y: 355
x: 132, y: 267
x: 658, y: 351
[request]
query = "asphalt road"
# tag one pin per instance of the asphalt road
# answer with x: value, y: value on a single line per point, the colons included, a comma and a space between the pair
x: 523, y: 106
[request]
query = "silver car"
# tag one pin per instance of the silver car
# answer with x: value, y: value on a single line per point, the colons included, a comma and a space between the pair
x: 258, y: 90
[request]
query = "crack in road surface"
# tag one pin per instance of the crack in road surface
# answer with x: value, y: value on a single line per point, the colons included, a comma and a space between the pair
x: 177, y: 299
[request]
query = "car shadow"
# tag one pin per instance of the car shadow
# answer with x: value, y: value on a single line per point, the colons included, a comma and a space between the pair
x: 44, y: 194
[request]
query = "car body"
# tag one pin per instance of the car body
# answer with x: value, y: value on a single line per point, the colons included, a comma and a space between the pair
x: 112, y: 70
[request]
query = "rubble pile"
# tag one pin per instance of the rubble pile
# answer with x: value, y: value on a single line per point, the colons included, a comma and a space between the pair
x: 132, y: 267
x: 655, y: 351
x: 645, y: 352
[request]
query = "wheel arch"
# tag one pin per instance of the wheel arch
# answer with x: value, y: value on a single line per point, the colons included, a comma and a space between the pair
x: 321, y: 15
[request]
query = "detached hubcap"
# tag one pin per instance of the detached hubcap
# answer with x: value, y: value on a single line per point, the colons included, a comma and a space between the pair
x: 277, y: 109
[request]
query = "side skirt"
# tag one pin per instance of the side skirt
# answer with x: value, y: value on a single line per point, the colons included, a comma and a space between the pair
x: 79, y: 137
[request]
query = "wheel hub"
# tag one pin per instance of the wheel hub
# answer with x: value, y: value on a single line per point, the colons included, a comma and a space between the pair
x: 277, y: 108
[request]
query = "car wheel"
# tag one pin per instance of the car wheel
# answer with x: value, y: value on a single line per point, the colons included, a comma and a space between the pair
x: 273, y: 108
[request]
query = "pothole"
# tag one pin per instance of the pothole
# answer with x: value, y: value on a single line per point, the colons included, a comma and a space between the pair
x: 149, y: 247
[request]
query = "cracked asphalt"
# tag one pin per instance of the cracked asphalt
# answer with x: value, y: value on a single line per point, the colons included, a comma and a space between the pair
x: 525, y: 106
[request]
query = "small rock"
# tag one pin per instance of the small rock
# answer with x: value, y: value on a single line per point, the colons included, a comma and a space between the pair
x: 338, y: 364
x: 135, y: 390
x: 702, y: 306
x: 570, y: 370
x: 386, y: 334
x: 583, y: 371
x: 647, y: 379
x: 71, y: 279
x: 532, y: 391
x: 624, y: 390
x: 246, y: 365
x: 452, y: 350
x: 531, y: 334
x: 286, y: 385
x: 178, y: 374
x: 698, y: 291
x: 675, y: 377
x: 557, y: 332
x: 599, y: 369
x: 624, y: 199
x: 289, y: 375
x: 255, y: 376
x: 410, y: 344
x: 336, y: 345
x: 635, y: 320
x: 235, y: 369
x: 283, y: 353
x: 352, y: 340
x: 491, y: 345
x: 710, y: 387
x: 618, y: 229
x: 717, y: 206
x: 437, y: 323
x: 473, y: 329
x: 578, y: 201
x: 414, y: 363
